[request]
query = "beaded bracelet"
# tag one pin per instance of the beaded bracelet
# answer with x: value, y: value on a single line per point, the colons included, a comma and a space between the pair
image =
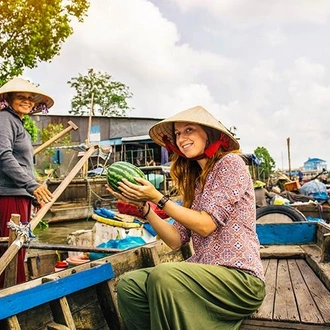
x: 145, y: 215
x: 141, y: 209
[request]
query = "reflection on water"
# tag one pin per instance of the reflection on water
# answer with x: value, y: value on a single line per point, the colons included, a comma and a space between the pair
x: 57, y: 233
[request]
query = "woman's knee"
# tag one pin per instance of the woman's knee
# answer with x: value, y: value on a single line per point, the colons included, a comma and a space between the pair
x: 122, y: 285
x: 163, y: 274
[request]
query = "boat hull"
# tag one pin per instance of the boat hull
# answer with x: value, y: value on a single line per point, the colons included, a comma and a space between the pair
x: 84, y: 297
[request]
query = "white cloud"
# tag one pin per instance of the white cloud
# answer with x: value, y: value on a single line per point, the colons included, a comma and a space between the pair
x: 242, y: 60
x: 275, y: 37
x: 259, y: 11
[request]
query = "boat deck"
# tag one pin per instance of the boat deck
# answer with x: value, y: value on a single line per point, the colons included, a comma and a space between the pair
x: 295, y: 298
x: 84, y: 297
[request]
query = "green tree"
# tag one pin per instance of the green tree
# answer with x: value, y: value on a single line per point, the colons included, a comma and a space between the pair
x: 267, y: 164
x: 109, y: 97
x: 49, y: 132
x: 34, y: 30
x: 31, y: 127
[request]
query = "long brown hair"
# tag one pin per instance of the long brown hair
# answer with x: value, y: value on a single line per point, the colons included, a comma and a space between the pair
x: 186, y: 173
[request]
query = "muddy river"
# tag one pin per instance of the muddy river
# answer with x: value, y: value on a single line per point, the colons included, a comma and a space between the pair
x: 57, y: 233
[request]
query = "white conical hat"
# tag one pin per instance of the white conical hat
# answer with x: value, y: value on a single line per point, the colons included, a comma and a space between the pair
x: 21, y: 85
x: 197, y: 115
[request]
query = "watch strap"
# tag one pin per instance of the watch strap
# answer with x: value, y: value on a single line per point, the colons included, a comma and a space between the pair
x: 163, y: 201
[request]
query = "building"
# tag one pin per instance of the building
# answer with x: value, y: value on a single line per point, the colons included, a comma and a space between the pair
x: 312, y: 167
x: 315, y: 164
x: 119, y: 138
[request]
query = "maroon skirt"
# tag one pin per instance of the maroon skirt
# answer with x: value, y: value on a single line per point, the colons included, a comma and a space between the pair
x: 14, y: 205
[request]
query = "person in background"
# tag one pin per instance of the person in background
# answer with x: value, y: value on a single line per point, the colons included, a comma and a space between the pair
x: 263, y: 196
x: 18, y: 185
x: 223, y: 281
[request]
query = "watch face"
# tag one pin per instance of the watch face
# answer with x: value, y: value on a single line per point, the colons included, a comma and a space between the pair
x: 162, y: 202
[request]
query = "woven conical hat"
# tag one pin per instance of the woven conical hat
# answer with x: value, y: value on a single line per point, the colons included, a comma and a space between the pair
x: 21, y: 85
x: 197, y: 115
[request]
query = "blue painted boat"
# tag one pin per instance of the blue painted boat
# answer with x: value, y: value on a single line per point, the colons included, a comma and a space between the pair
x: 296, y: 259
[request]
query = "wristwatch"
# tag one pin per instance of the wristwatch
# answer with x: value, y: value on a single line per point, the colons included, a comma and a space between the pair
x: 163, y: 201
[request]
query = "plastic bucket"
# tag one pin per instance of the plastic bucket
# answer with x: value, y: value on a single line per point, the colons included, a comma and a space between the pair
x: 77, y: 260
x: 60, y: 265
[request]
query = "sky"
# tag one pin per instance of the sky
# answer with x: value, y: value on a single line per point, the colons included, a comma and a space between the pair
x: 261, y: 67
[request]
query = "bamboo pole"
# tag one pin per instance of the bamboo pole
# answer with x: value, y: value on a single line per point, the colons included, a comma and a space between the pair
x: 56, y: 137
x: 64, y: 247
x: 18, y: 243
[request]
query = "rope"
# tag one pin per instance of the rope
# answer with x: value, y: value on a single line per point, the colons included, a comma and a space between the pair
x: 21, y: 230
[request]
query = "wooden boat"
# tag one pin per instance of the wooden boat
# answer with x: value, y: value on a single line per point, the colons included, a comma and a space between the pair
x: 296, y: 259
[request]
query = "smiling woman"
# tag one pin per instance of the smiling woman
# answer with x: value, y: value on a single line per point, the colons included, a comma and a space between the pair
x: 18, y: 185
x: 224, y: 276
x: 22, y: 103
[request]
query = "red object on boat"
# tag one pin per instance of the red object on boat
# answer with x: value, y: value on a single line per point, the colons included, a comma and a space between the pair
x: 60, y: 265
x: 130, y: 209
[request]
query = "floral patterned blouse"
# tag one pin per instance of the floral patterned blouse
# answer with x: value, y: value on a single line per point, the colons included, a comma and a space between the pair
x: 228, y: 196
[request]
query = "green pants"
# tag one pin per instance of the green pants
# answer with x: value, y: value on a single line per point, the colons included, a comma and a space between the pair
x: 188, y: 296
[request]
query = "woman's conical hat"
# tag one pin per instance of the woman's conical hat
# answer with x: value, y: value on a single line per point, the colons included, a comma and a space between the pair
x: 21, y: 85
x: 197, y: 115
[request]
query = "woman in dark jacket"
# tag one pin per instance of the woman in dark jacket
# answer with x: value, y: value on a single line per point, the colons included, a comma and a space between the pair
x: 18, y: 185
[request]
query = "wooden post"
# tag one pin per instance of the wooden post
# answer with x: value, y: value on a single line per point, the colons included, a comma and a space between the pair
x: 87, y: 141
x: 11, y: 270
x: 18, y: 243
x: 289, y: 157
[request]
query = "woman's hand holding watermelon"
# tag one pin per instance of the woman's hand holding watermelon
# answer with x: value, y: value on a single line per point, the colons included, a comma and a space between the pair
x: 122, y: 197
x: 142, y: 192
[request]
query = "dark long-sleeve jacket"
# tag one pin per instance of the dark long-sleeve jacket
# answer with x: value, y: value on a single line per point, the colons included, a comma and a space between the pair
x: 16, y: 157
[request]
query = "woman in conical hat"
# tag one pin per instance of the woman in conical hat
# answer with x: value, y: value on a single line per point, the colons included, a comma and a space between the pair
x: 18, y: 185
x: 223, y: 281
x: 42, y: 101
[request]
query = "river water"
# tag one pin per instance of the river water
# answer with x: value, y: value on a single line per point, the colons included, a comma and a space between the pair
x: 57, y: 233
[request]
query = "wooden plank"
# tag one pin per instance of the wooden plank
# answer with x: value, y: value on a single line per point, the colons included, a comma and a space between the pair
x: 265, y: 311
x: 62, y: 313
x: 325, y: 256
x: 23, y: 300
x: 307, y: 308
x: 36, y: 318
x: 150, y: 256
x: 86, y: 309
x: 319, y: 293
x: 107, y: 294
x: 282, y: 251
x: 285, y: 307
x: 56, y: 326
x: 321, y: 269
x: 249, y: 324
x: 11, y: 323
x: 265, y: 264
x: 281, y: 233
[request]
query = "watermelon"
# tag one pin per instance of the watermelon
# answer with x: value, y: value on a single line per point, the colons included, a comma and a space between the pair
x: 122, y: 170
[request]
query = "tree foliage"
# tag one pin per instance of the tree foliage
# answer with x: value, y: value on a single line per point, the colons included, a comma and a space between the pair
x: 34, y: 30
x: 109, y: 97
x: 31, y: 127
x: 49, y: 132
x: 267, y: 165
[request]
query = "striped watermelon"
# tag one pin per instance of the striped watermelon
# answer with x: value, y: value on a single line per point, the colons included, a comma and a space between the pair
x: 122, y: 170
